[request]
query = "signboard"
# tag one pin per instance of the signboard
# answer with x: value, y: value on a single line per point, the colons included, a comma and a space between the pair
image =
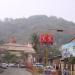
x: 46, y: 38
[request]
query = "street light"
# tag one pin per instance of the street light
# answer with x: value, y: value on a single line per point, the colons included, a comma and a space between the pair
x: 47, y: 40
x: 46, y: 51
x: 58, y: 30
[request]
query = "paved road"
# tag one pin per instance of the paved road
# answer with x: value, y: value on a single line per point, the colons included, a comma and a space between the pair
x: 15, y: 71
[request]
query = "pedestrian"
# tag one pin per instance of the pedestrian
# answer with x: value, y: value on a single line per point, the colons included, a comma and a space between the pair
x: 47, y: 71
x: 65, y: 71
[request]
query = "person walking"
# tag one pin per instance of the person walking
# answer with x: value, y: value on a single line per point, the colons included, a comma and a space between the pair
x: 65, y: 71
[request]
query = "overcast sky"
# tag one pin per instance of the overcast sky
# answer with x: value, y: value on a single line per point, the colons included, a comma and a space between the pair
x: 26, y: 8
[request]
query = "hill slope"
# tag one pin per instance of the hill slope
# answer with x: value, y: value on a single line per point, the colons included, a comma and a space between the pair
x: 22, y: 28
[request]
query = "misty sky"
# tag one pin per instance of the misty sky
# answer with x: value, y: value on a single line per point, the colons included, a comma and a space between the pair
x: 26, y: 8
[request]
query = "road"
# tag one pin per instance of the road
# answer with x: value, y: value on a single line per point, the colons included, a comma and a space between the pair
x: 15, y: 71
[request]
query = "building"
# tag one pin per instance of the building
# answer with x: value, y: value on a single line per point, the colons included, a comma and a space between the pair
x: 19, y: 49
x: 68, y: 56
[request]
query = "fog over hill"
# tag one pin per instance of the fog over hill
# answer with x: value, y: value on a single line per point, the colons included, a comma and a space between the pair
x: 22, y: 28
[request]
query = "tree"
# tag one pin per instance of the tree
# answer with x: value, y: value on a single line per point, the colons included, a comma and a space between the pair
x: 35, y: 41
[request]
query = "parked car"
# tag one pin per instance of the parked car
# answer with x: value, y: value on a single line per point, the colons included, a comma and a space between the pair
x: 38, y: 64
x: 11, y: 65
x: 4, y: 65
x: 49, y: 69
x: 22, y: 66
x: 39, y: 67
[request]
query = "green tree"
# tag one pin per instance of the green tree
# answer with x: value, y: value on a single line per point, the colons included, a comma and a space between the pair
x: 35, y: 41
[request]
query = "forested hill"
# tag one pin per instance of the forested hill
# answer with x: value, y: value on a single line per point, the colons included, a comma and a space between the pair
x: 22, y: 28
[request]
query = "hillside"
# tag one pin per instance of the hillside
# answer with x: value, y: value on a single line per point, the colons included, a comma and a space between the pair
x: 22, y: 28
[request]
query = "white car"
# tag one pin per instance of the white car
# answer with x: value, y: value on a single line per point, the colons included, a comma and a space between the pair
x: 38, y: 65
x: 4, y: 65
x: 11, y: 64
x: 22, y: 66
x: 50, y: 68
